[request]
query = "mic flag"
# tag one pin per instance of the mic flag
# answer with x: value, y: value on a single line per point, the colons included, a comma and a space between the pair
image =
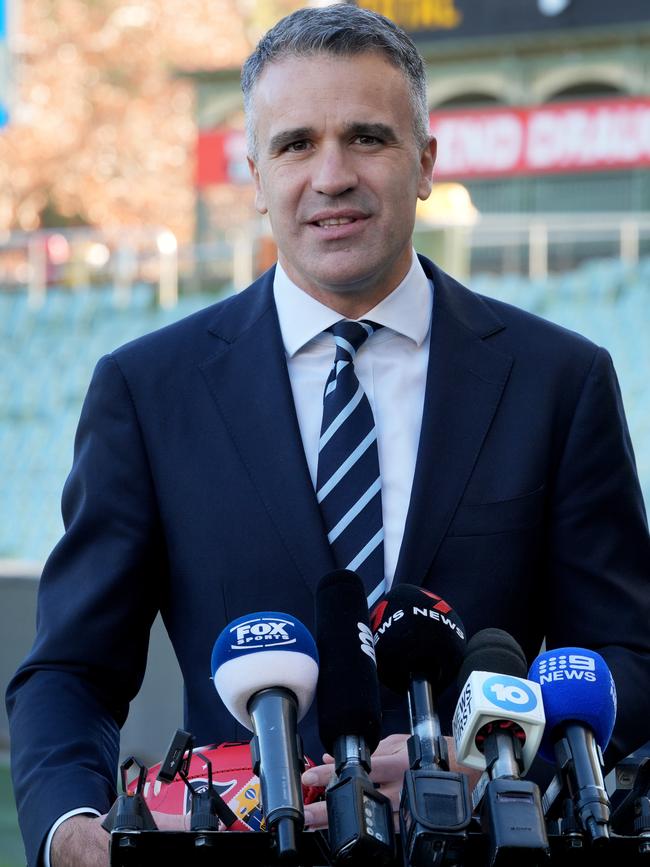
x: 577, y: 686
x: 261, y: 651
x: 417, y: 633
x: 493, y: 692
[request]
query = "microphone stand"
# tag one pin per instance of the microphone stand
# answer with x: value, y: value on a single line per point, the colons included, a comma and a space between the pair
x: 360, y: 817
x: 427, y: 742
x: 580, y: 762
x: 435, y: 807
x: 511, y: 810
x: 278, y: 761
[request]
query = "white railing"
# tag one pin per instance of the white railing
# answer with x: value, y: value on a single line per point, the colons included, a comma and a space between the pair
x: 532, y: 245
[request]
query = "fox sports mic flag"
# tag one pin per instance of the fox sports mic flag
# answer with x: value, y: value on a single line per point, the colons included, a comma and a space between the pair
x: 577, y: 686
x: 260, y: 651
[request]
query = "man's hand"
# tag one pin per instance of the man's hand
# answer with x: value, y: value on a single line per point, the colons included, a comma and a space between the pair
x: 81, y: 841
x: 389, y: 761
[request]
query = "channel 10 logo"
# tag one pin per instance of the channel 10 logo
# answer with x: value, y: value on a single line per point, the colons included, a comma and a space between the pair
x: 509, y: 693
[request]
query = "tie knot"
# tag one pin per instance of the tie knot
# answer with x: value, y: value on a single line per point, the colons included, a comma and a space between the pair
x: 349, y: 335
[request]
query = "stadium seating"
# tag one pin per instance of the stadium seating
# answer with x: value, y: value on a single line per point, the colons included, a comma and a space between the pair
x: 47, y: 357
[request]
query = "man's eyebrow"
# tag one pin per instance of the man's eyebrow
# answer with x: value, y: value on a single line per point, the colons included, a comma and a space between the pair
x: 376, y: 130
x: 281, y: 139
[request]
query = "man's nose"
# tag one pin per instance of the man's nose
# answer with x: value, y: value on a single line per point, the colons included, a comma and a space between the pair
x: 333, y: 172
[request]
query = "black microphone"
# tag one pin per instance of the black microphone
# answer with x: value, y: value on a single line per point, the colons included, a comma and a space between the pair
x: 419, y: 642
x: 498, y: 725
x: 349, y: 718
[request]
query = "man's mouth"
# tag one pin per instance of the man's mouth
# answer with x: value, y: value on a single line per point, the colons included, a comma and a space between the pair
x: 335, y: 221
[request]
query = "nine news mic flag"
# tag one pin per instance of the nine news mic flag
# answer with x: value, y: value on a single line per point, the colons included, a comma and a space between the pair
x: 580, y: 703
x: 265, y: 668
x: 360, y: 818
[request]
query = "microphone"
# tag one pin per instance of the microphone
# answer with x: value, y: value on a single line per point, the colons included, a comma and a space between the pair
x: 265, y: 669
x: 499, y: 718
x: 498, y: 725
x: 419, y: 642
x: 580, y: 703
x: 360, y: 817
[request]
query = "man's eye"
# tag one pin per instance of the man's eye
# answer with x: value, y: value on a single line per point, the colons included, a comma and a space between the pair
x: 297, y: 146
x: 368, y: 140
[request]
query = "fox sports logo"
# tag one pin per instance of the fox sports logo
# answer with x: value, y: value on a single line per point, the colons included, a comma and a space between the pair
x: 263, y: 632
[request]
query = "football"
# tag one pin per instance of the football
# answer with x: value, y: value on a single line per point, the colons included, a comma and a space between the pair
x: 232, y: 777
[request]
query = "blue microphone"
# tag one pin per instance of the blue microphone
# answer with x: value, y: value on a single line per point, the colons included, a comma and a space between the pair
x: 265, y: 669
x: 580, y: 705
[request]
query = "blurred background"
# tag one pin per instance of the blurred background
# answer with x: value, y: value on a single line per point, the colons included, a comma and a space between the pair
x: 125, y: 204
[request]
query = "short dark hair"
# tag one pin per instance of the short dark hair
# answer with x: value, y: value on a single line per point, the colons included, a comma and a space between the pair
x: 341, y: 29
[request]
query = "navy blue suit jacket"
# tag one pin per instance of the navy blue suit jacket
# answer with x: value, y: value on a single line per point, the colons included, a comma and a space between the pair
x: 190, y: 494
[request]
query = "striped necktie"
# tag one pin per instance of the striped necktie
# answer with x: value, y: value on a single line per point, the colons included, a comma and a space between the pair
x: 348, y: 484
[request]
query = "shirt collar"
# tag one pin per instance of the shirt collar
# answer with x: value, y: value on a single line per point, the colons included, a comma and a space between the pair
x: 406, y: 311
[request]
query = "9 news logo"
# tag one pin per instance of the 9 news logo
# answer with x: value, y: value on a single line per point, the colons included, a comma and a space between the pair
x: 509, y: 693
x: 567, y: 666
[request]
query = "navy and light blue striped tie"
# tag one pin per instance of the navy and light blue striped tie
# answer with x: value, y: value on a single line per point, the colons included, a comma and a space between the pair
x: 348, y: 483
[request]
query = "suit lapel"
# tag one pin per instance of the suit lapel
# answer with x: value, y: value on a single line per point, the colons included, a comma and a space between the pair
x: 465, y: 381
x: 248, y: 379
x: 249, y: 382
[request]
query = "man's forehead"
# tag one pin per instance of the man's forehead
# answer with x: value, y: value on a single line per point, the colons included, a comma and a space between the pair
x: 300, y: 69
x: 352, y: 89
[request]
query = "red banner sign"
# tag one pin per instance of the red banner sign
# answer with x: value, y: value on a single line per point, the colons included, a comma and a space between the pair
x: 563, y: 137
x: 494, y: 142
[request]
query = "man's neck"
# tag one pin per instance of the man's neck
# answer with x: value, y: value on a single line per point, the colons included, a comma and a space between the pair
x: 351, y: 302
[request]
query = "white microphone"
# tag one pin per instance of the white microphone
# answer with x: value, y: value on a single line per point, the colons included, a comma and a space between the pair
x: 503, y: 705
x: 265, y: 669
x: 497, y: 703
x: 498, y: 725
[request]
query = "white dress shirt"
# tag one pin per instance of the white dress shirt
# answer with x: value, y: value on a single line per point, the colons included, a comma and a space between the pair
x: 392, y: 368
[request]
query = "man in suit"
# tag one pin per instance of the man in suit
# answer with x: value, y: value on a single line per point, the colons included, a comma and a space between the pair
x: 508, y: 483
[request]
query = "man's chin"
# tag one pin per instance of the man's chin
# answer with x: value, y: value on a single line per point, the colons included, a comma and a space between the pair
x: 350, y: 273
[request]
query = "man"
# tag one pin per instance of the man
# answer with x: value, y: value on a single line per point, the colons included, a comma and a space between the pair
x: 507, y: 480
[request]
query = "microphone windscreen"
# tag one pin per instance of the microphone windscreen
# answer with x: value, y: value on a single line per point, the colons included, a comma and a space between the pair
x: 577, y: 686
x: 263, y: 650
x: 416, y: 634
x: 492, y: 650
x: 348, y: 688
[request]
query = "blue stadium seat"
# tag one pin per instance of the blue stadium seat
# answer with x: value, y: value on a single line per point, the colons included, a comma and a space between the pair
x: 47, y: 357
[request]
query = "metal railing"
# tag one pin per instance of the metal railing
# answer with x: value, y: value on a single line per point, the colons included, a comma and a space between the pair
x: 533, y: 245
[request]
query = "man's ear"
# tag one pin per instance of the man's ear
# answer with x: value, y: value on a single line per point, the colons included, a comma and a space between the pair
x: 427, y: 162
x: 260, y: 203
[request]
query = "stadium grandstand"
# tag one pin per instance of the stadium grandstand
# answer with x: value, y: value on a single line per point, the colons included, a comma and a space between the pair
x: 51, y: 340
